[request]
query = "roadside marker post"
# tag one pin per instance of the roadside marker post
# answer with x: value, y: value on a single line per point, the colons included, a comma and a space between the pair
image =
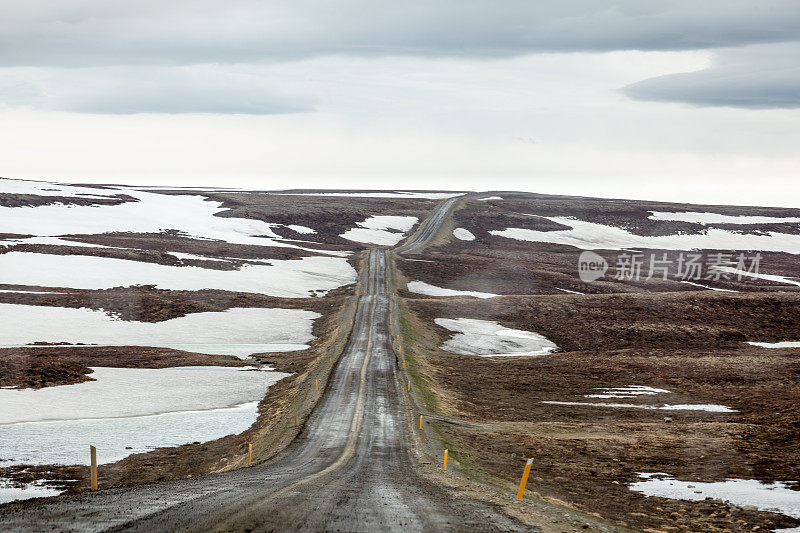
x: 420, y: 421
x: 316, y: 384
x: 524, y: 480
x: 93, y: 460
x: 445, y: 459
x: 409, y: 386
x: 249, y: 454
x: 404, y: 364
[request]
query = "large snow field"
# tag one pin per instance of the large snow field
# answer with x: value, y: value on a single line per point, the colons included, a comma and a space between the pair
x: 125, y: 392
x: 41, y: 188
x: 776, y: 497
x: 593, y: 236
x: 237, y: 331
x: 716, y: 218
x: 67, y: 442
x: 420, y: 287
x: 135, y: 407
x: 383, y: 230
x: 293, y: 278
x: 192, y: 215
x: 490, y: 339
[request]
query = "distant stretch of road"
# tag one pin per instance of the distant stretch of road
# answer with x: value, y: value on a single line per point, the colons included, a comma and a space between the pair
x: 350, y: 469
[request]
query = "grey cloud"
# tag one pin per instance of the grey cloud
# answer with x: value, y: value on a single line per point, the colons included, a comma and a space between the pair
x: 758, y: 77
x: 98, y: 32
x: 128, y: 90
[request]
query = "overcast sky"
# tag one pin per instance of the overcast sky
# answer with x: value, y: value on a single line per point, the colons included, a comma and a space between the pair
x: 675, y: 100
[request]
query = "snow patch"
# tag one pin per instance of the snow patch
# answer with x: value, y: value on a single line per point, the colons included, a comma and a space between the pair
x: 303, y: 230
x: 10, y: 493
x: 420, y: 287
x: 783, y: 344
x: 386, y: 194
x: 490, y: 198
x: 292, y: 278
x: 707, y: 287
x: 711, y: 408
x: 238, y: 331
x: 383, y: 230
x: 137, y: 407
x: 490, y: 339
x: 463, y: 234
x: 745, y: 273
x: 716, y: 218
x: 592, y: 236
x: 631, y: 391
x: 569, y: 291
x: 776, y: 497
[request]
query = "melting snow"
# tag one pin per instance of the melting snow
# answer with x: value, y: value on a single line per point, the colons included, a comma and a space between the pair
x: 716, y: 218
x: 376, y: 230
x: 293, y: 278
x: 238, y: 331
x: 137, y: 408
x: 711, y: 408
x: 420, y: 287
x: 303, y: 230
x: 463, y: 234
x: 40, y: 188
x: 783, y: 344
x: 745, y: 273
x: 776, y: 497
x: 10, y: 493
x: 707, y: 287
x: 631, y: 391
x: 490, y: 339
x: 592, y: 236
x: 490, y: 198
x: 396, y: 194
x: 569, y: 291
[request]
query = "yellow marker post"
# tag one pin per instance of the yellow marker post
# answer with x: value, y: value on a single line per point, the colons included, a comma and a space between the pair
x: 409, y: 386
x: 524, y: 480
x: 93, y: 459
x: 404, y: 364
x: 249, y: 454
x: 400, y: 348
x: 445, y: 459
x: 420, y: 421
x: 331, y: 358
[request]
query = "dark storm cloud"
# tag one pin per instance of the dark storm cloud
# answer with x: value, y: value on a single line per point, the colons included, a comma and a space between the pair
x: 758, y: 77
x: 98, y: 32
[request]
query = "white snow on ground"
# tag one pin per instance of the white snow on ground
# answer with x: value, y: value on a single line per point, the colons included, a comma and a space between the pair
x: 768, y: 277
x: 631, y: 391
x: 490, y: 339
x: 192, y: 215
x: 41, y: 188
x: 420, y: 287
x: 238, y: 331
x: 303, y: 230
x: 711, y: 408
x: 490, y: 198
x: 784, y: 344
x: 136, y: 407
x: 716, y: 218
x: 463, y: 234
x: 776, y: 497
x: 124, y: 392
x: 376, y: 230
x: 592, y: 236
x: 707, y: 287
x: 395, y: 194
x: 67, y: 441
x: 10, y: 493
x: 569, y: 291
x: 292, y: 278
